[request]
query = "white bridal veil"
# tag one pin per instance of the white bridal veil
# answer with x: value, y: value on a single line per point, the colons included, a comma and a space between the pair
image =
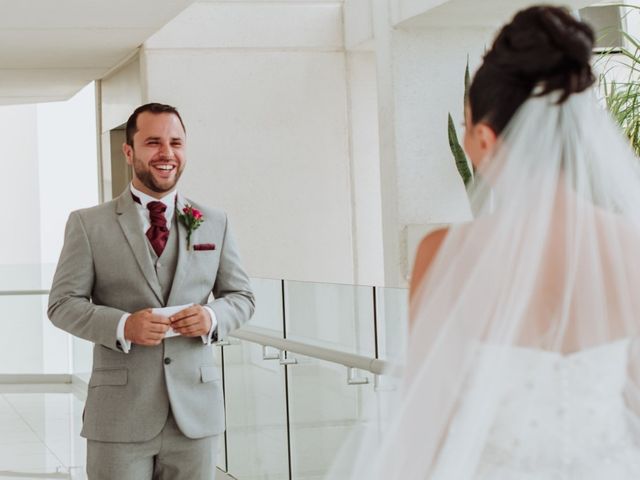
x: 520, y: 307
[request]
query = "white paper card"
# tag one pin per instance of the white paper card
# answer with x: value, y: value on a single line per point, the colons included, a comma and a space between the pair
x: 167, y: 312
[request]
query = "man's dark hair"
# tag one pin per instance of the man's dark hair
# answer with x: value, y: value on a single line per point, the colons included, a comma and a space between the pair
x: 155, y: 108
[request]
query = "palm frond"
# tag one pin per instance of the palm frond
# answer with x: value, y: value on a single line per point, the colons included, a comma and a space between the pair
x: 622, y: 98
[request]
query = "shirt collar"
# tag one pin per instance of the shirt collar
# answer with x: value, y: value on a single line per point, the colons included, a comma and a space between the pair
x: 169, y: 199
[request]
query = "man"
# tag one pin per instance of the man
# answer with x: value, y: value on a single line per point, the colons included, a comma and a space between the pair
x: 154, y: 406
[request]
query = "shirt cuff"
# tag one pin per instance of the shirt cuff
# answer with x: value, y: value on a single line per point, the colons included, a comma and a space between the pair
x: 206, y: 339
x: 125, y: 345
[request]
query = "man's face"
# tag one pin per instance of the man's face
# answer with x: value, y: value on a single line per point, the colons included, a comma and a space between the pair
x: 158, y: 154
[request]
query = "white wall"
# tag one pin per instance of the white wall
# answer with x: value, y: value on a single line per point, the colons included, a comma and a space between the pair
x: 331, y: 159
x: 263, y: 92
x: 429, y: 65
x: 119, y: 93
x: 420, y: 78
x: 365, y: 168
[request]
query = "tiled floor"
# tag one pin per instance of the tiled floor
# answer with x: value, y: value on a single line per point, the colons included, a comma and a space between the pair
x: 40, y: 433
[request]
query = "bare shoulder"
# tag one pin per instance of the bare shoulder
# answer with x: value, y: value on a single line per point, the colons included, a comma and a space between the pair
x: 426, y: 253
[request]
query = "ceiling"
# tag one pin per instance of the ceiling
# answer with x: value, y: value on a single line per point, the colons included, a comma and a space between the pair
x: 50, y: 49
x: 488, y: 13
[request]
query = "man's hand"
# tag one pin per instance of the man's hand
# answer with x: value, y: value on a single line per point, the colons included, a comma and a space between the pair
x: 191, y: 322
x: 146, y: 328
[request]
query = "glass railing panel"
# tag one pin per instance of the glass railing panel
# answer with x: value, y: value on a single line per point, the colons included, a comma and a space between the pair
x: 323, y: 412
x: 218, y: 360
x: 56, y: 420
x: 392, y: 316
x: 26, y: 277
x: 82, y: 352
x: 331, y: 315
x: 268, y: 314
x: 46, y: 274
x: 56, y: 344
x: 256, y: 414
x: 30, y: 344
x: 38, y: 419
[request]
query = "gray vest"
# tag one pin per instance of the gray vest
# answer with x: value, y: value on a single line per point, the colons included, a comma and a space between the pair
x: 166, y: 263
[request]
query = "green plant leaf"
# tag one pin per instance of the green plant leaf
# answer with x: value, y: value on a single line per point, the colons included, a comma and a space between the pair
x: 467, y: 84
x: 460, y: 158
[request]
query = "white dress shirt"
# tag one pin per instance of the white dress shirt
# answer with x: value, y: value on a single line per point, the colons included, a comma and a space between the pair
x: 170, y: 201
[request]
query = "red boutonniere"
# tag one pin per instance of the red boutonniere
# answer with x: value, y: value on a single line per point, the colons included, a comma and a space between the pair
x: 192, y: 219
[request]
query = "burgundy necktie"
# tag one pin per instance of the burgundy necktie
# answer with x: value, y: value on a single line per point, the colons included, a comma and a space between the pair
x: 158, y: 233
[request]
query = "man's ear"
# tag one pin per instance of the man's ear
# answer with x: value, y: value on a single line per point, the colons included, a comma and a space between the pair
x: 128, y: 152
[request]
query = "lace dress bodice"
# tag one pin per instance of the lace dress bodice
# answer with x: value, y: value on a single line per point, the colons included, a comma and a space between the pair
x: 558, y: 418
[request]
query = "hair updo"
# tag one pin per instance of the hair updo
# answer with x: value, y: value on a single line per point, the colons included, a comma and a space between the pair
x: 543, y: 47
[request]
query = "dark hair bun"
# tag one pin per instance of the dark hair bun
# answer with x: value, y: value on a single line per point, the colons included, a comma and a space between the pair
x: 545, y: 46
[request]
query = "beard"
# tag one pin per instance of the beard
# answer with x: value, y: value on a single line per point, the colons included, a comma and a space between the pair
x: 144, y: 174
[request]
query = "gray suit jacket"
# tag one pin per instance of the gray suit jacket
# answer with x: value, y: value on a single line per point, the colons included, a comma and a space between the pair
x: 105, y: 270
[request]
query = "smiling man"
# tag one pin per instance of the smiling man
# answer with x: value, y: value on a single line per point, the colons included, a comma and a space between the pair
x: 154, y: 405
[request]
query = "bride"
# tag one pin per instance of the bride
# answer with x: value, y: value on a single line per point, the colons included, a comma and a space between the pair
x: 522, y: 362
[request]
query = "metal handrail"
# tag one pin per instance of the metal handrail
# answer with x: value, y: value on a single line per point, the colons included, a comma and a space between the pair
x: 13, y: 293
x: 265, y: 337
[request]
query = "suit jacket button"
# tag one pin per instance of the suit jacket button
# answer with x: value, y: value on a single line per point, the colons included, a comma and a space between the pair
x: 167, y: 361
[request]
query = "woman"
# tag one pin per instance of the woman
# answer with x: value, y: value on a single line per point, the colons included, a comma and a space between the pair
x: 520, y: 362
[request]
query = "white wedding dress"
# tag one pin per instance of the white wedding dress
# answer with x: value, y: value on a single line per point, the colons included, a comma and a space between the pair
x: 559, y: 418
x: 551, y: 260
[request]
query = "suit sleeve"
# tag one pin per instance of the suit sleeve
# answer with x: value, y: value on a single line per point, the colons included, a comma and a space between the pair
x: 70, y: 306
x: 234, y: 302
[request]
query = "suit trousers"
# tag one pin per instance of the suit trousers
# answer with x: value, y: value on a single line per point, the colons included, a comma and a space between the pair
x: 168, y: 456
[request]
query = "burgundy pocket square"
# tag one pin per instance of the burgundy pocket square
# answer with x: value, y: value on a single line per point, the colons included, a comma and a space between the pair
x: 204, y: 246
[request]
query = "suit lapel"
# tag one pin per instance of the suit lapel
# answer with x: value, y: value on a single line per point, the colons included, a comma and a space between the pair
x: 184, y: 255
x: 129, y: 220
